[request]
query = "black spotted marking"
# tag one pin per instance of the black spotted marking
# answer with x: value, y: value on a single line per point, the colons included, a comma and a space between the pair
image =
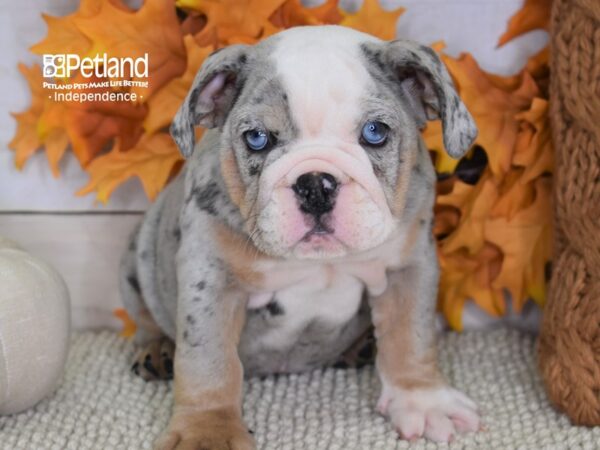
x: 275, y: 309
x: 177, y: 234
x: 200, y: 285
x: 134, y: 283
x: 456, y: 105
x: 435, y: 59
x: 206, y: 196
x: 254, y: 169
x: 418, y: 170
x: 191, y: 342
x: 190, y: 319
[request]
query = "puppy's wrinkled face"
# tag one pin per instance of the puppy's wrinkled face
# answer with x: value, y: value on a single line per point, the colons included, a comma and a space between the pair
x: 323, y: 130
x: 318, y: 142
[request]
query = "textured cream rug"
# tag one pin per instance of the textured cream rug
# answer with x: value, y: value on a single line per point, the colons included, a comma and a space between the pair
x: 101, y: 405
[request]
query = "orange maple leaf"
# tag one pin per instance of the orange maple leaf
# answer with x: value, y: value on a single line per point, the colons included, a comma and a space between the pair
x: 494, y: 108
x: 373, y: 19
x: 64, y: 36
x: 93, y: 125
x: 153, y: 29
x: 26, y: 140
x: 41, y: 125
x: 533, y: 149
x: 153, y: 160
x: 165, y: 102
x: 232, y: 21
x: 535, y: 14
x: 469, y: 277
x: 518, y: 238
x: 292, y: 13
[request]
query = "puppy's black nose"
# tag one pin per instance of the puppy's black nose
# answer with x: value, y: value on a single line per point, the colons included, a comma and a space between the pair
x: 316, y: 192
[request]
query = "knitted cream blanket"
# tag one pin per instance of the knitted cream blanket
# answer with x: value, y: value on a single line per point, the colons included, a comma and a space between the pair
x: 101, y: 405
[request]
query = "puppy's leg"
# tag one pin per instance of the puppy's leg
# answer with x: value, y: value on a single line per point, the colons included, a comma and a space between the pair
x: 208, y: 372
x: 414, y: 394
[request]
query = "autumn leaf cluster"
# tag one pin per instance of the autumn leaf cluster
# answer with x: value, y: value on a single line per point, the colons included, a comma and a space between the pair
x: 492, y: 211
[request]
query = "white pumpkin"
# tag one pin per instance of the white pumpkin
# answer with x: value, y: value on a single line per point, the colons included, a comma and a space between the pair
x: 34, y: 328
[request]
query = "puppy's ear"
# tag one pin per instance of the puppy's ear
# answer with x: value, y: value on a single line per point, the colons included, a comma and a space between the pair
x: 429, y: 90
x: 211, y: 96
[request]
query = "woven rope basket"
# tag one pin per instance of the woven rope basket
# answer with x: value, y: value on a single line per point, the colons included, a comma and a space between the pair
x: 570, y: 335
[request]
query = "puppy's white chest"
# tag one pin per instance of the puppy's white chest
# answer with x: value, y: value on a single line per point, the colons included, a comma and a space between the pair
x: 331, y: 295
x: 325, y: 296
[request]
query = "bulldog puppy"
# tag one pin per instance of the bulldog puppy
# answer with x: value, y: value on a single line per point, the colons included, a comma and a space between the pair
x: 301, y: 218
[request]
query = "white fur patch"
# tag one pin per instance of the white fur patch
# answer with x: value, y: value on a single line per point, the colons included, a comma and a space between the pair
x: 437, y: 414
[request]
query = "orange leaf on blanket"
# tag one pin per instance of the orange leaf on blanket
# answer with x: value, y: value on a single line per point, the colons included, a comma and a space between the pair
x: 153, y: 29
x: 129, y: 326
x: 534, y: 15
x: 153, y: 160
x: 373, y: 19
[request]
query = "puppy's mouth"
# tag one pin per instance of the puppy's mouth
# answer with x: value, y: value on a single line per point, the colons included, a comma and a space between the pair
x: 319, y: 228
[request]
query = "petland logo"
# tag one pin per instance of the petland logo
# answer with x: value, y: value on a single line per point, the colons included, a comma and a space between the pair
x: 62, y: 66
x: 103, y: 79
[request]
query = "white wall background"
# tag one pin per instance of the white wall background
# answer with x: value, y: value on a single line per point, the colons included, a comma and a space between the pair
x: 85, y: 243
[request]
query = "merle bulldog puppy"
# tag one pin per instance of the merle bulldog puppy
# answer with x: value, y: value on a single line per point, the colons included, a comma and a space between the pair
x: 301, y: 218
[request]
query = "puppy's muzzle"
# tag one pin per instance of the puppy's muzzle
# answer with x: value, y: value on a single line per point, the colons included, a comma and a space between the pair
x: 316, y: 193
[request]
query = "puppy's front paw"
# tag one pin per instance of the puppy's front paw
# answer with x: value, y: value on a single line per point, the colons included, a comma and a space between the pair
x: 213, y: 430
x: 438, y: 413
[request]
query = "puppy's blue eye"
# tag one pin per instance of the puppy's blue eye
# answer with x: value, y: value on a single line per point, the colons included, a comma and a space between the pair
x: 256, y: 140
x: 374, y: 133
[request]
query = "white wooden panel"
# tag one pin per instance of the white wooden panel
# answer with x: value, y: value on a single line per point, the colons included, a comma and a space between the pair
x: 85, y: 249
